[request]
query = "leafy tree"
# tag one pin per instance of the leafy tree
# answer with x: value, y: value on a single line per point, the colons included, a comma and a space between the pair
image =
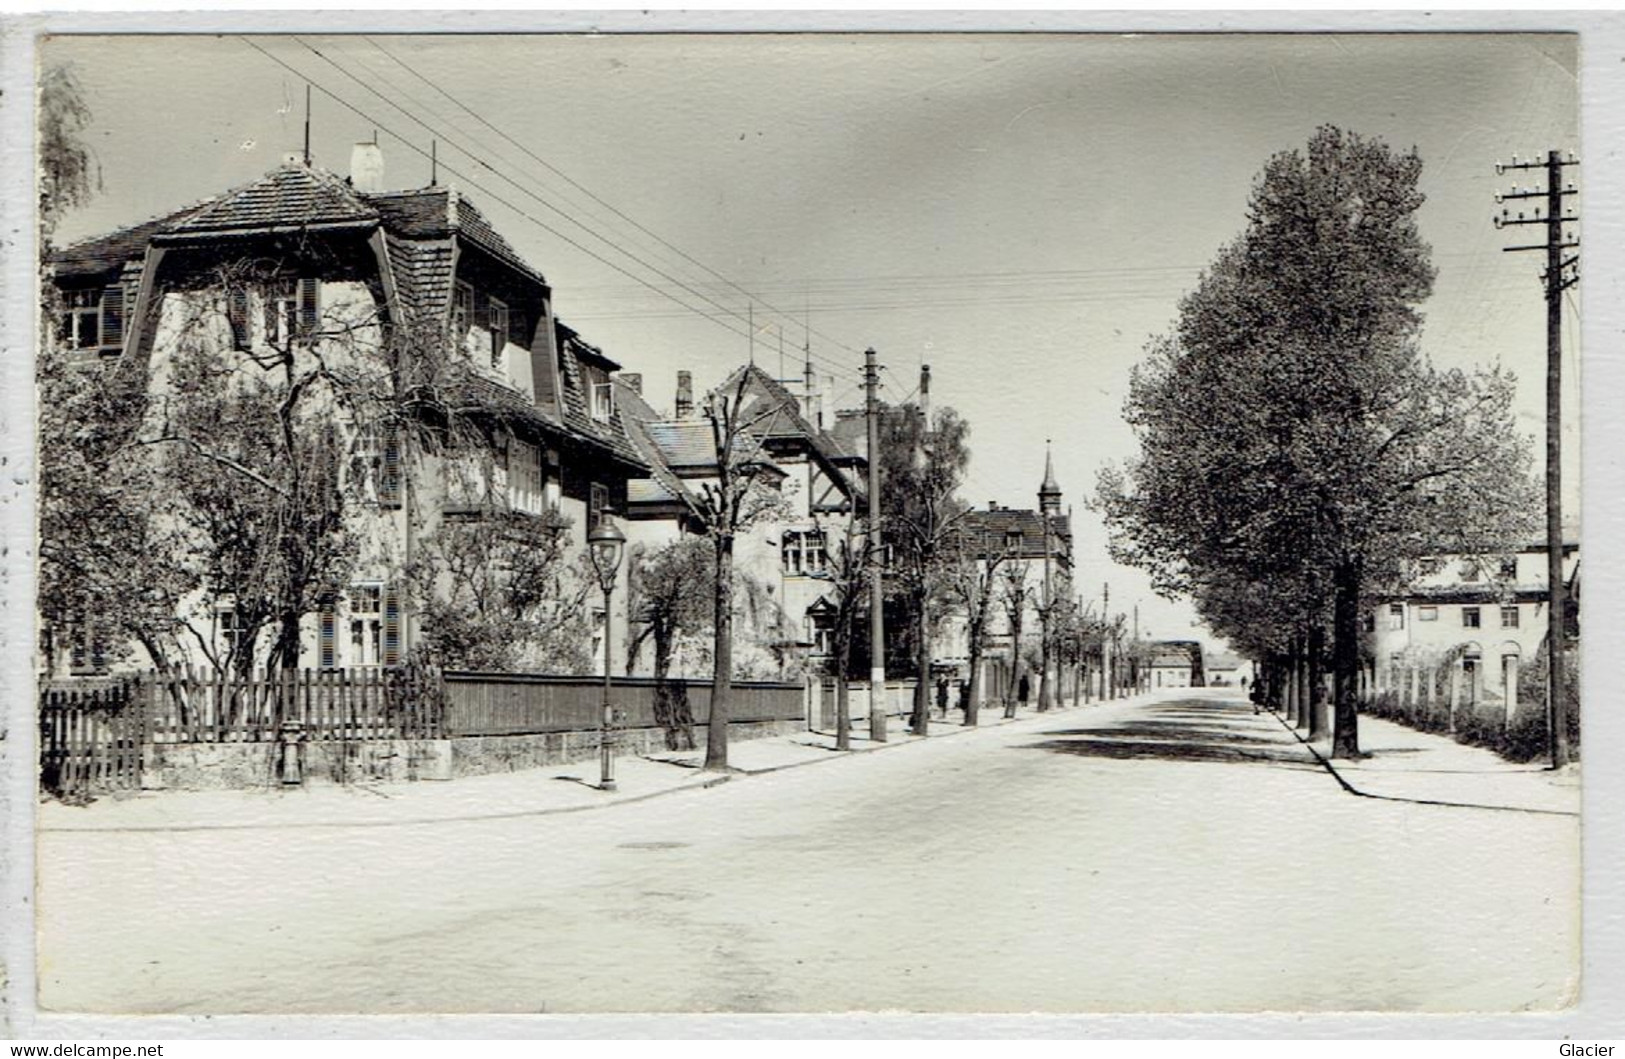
x: 922, y: 466
x: 498, y: 593
x: 1291, y: 429
x: 68, y: 175
x: 670, y: 598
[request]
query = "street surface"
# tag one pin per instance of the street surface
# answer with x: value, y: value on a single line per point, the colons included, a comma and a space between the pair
x: 1173, y: 853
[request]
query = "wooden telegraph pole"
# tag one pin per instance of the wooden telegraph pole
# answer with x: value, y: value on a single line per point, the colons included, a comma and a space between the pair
x: 872, y: 548
x: 1559, y: 274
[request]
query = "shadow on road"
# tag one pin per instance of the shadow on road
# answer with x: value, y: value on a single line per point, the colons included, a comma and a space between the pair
x: 1184, y: 730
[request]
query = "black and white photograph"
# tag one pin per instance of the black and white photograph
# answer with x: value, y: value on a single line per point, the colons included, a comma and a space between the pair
x: 594, y: 523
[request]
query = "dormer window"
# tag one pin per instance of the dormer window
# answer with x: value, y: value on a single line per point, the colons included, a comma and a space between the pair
x: 603, y: 401
x: 1012, y: 540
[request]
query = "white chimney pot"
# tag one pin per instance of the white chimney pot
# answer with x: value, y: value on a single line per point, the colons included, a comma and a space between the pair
x: 367, y: 168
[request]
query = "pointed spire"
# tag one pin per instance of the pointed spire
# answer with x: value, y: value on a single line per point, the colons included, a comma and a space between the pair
x: 1049, y: 493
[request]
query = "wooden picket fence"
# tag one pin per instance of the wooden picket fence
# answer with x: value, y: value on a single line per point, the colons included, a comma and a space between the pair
x: 91, y: 739
x: 94, y: 732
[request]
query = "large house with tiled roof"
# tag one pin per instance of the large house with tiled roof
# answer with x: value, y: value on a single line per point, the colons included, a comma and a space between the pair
x: 1025, y: 547
x: 412, y: 289
x: 789, y: 558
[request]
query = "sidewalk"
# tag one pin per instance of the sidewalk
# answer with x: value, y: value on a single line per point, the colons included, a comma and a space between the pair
x: 553, y: 789
x: 1423, y: 767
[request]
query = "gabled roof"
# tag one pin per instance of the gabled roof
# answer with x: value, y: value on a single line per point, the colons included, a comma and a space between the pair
x: 438, y: 213
x: 611, y: 434
x: 986, y: 531
x: 662, y: 486
x: 104, y: 254
x: 291, y: 195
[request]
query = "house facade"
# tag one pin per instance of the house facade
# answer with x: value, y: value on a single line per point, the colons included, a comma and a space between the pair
x: 1464, y: 626
x: 1025, y: 558
x: 785, y: 601
x: 424, y: 349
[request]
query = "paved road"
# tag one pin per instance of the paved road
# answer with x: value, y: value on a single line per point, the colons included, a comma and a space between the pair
x: 1177, y: 854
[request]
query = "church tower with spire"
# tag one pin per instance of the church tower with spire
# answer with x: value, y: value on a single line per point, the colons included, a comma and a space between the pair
x: 1049, y: 494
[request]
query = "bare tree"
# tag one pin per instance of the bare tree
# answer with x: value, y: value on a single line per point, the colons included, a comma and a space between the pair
x: 744, y: 493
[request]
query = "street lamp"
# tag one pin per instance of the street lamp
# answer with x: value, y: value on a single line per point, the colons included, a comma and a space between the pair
x: 604, y: 545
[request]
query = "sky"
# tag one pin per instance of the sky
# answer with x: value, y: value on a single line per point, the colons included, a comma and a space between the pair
x: 1021, y: 212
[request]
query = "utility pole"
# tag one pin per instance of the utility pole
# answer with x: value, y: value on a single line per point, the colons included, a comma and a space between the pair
x: 872, y: 547
x: 1557, y: 277
x: 922, y: 686
x: 1139, y: 655
x: 1107, y: 682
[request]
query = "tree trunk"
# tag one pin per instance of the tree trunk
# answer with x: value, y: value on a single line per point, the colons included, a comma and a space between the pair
x: 1318, y: 727
x: 919, y: 724
x: 1317, y: 705
x: 1043, y: 659
x: 973, y: 690
x: 1289, y: 675
x: 1346, y: 657
x: 843, y: 719
x: 1306, y: 687
x: 716, y: 728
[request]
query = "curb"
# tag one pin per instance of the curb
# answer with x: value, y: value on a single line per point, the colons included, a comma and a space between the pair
x: 1326, y: 763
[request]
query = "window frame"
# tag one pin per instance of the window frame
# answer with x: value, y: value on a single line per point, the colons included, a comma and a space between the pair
x: 462, y: 309
x: 1427, y: 612
x: 1510, y: 610
x: 496, y: 317
x: 1472, y: 617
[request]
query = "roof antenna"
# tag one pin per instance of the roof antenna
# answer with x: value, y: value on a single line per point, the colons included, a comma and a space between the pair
x: 434, y: 163
x: 751, y: 324
x: 307, y: 123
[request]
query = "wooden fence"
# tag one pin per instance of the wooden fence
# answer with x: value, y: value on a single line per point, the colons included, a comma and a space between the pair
x: 95, y: 732
x: 202, y: 706
x: 528, y: 704
x: 91, y: 739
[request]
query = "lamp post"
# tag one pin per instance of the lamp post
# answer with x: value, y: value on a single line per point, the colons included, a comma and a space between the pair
x: 605, y: 544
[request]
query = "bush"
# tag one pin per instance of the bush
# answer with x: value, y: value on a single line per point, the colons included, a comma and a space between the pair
x: 1485, y: 724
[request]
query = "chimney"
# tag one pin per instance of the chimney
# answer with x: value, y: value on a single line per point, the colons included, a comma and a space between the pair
x: 685, y: 395
x: 367, y: 168
x: 993, y: 505
x: 632, y: 380
x: 925, y: 394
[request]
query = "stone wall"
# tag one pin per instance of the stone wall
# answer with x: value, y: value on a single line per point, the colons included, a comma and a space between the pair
x: 235, y: 766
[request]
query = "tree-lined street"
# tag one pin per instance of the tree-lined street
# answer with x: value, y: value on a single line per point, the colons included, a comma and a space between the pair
x: 1172, y: 852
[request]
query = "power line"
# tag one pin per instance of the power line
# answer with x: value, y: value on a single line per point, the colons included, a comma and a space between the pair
x: 586, y: 191
x: 500, y: 199
x: 474, y: 156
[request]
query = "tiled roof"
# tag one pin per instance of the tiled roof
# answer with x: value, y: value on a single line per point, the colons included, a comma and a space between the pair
x: 436, y: 213
x: 108, y: 253
x: 988, y: 529
x: 291, y: 194
x: 465, y: 388
x: 610, y: 434
x: 1171, y: 661
x: 684, y: 443
x: 663, y: 486
x: 423, y: 272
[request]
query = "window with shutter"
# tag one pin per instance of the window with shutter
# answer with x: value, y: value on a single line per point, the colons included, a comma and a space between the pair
x: 389, y: 472
x: 237, y: 313
x: 81, y: 319
x: 329, y: 637
x: 462, y: 310
x: 392, y: 627
x: 113, y: 317
x: 310, y: 309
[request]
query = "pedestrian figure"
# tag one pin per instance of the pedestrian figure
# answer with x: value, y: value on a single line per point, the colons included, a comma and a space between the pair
x: 942, y: 697
x: 1024, y: 689
x: 964, y: 697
